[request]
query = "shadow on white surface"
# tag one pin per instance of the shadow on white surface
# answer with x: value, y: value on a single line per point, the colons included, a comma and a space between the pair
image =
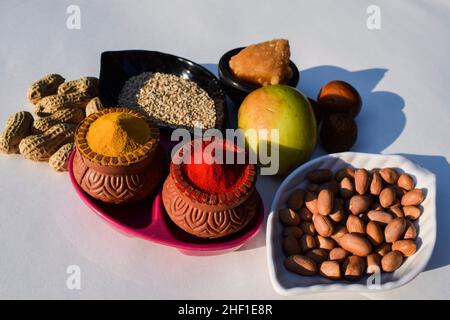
x: 441, y: 168
x: 212, y: 67
x: 381, y: 120
x: 380, y: 109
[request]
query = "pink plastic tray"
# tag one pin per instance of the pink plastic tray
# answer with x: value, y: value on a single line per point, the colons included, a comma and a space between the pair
x: 148, y: 220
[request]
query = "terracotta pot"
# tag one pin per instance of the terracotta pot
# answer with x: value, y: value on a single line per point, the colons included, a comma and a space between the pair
x: 118, y: 179
x: 209, y: 215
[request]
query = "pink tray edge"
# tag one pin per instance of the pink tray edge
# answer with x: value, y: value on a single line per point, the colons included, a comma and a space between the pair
x: 157, y: 207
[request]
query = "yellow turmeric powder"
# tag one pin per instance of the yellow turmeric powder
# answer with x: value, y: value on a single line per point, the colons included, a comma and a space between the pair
x: 117, y: 133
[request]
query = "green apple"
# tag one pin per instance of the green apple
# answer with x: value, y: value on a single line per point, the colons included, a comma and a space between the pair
x: 286, y: 109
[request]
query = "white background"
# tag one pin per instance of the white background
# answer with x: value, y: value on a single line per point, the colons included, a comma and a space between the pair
x: 402, y: 72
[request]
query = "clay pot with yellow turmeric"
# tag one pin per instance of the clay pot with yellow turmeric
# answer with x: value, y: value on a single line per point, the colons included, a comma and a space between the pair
x: 118, y: 158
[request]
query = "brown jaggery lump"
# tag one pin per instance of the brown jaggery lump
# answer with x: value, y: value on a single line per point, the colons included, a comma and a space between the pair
x: 263, y: 63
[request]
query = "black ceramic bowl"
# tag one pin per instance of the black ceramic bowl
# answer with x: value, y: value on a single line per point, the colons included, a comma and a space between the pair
x: 116, y: 67
x: 237, y: 89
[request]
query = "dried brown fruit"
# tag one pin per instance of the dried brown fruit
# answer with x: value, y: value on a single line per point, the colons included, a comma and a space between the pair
x: 339, y: 97
x: 338, y: 133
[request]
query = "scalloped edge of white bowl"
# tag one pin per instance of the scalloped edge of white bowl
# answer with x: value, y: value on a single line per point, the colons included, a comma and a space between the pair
x: 287, y: 283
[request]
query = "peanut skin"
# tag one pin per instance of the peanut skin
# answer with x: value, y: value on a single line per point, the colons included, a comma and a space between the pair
x: 289, y: 217
x: 356, y: 244
x: 301, y: 264
x: 297, y: 199
x: 360, y: 222
x: 362, y: 181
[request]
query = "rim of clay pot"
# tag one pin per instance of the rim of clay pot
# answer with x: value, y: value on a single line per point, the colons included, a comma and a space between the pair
x: 234, y: 196
x: 118, y: 170
x: 124, y: 160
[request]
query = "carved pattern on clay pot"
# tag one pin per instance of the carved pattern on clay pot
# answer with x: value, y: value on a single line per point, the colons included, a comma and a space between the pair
x: 206, y: 221
x: 116, y: 188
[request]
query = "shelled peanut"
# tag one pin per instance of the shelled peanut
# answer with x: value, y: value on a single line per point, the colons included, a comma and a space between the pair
x: 353, y: 222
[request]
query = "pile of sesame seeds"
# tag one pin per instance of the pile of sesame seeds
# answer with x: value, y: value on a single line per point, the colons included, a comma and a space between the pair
x: 169, y: 100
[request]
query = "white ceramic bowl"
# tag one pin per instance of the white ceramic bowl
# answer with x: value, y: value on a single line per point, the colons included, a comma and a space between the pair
x: 288, y: 283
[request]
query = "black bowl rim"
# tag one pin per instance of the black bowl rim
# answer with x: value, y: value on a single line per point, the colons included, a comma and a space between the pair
x: 222, y: 96
x: 226, y: 75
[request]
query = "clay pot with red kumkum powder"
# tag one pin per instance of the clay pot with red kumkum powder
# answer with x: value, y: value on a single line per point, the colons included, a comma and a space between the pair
x: 204, y: 194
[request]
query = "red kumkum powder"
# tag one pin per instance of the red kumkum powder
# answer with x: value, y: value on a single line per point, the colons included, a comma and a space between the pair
x: 215, y: 177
